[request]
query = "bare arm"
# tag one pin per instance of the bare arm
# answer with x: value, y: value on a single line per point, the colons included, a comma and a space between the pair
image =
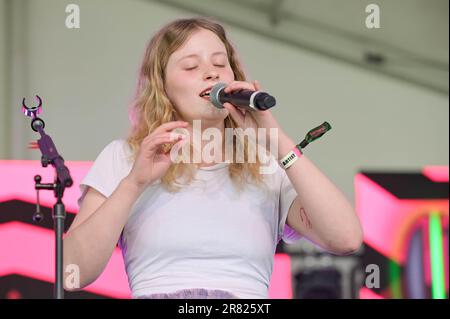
x: 320, y: 212
x: 94, y: 233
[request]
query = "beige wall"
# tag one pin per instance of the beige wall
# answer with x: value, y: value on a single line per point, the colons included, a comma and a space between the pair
x: 3, y: 115
x: 86, y: 78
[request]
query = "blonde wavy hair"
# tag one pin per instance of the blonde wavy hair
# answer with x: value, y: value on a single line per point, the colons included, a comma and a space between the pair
x: 151, y: 107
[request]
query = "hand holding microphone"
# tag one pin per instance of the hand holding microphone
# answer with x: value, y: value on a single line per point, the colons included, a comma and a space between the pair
x: 244, y: 99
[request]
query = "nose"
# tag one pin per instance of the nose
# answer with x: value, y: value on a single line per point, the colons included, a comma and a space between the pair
x: 211, y: 74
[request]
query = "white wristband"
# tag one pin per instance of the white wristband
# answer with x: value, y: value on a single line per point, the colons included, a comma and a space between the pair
x: 290, y: 158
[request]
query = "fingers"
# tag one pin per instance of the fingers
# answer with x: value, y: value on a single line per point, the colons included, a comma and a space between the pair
x: 169, y: 126
x: 257, y: 85
x: 164, y: 128
x: 241, y: 85
x: 235, y: 113
x: 165, y: 140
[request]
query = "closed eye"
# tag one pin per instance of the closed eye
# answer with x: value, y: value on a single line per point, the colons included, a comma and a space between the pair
x: 218, y: 65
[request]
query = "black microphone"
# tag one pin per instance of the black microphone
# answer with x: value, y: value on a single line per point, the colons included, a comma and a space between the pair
x: 246, y: 99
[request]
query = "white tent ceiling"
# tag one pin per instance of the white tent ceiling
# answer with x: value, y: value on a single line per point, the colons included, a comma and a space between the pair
x: 411, y: 45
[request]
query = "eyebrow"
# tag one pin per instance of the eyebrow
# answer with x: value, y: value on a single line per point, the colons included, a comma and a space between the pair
x: 196, y: 55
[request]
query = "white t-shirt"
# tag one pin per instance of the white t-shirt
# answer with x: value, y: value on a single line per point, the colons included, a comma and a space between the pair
x: 208, y: 235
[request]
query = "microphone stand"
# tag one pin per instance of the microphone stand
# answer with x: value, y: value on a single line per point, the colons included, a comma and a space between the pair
x: 62, y: 180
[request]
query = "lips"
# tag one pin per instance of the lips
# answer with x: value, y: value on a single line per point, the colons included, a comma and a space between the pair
x: 205, y: 93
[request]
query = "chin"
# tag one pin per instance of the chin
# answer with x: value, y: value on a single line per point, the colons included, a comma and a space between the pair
x: 214, y: 114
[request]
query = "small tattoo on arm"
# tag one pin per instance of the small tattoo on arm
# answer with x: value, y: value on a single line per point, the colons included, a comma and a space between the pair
x: 304, y: 218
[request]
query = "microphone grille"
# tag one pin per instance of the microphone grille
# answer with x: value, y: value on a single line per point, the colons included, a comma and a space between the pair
x: 214, y: 95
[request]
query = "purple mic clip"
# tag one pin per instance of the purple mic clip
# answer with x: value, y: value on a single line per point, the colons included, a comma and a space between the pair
x: 32, y: 111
